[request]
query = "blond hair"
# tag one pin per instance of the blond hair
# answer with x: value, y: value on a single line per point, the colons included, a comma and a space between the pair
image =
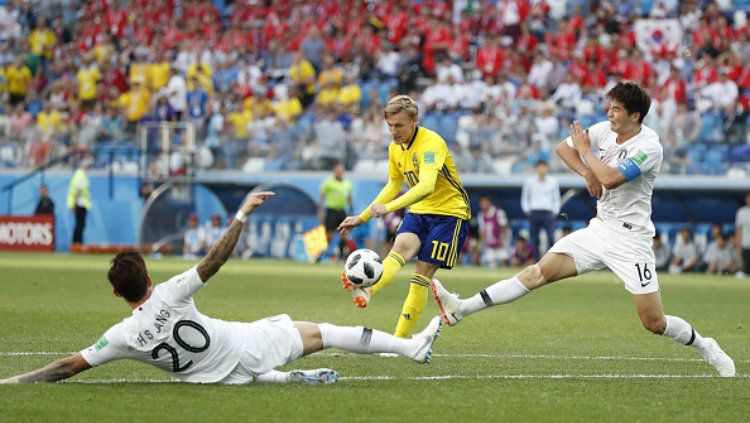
x: 401, y: 103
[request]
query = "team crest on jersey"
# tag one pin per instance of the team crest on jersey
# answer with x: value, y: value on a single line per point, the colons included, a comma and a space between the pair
x: 429, y: 157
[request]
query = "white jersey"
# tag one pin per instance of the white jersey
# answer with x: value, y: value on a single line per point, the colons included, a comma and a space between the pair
x: 168, y: 332
x: 630, y: 203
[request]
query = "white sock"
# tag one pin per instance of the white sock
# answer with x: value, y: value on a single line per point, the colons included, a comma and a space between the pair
x: 500, y: 293
x: 274, y: 376
x: 362, y: 340
x: 681, y: 332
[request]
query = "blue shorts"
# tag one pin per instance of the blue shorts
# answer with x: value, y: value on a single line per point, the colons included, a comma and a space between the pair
x: 442, y: 237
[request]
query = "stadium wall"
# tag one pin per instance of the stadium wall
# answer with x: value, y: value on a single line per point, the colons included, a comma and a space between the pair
x: 114, y: 218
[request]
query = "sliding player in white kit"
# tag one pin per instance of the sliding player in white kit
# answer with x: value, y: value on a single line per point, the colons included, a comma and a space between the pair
x: 167, y: 331
x: 623, y: 156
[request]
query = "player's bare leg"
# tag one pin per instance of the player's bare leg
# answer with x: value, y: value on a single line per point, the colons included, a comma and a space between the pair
x: 404, y: 248
x: 363, y: 340
x: 552, y: 267
x: 651, y: 313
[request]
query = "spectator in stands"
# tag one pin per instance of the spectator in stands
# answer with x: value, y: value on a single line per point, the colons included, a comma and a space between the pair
x: 329, y: 143
x: 197, y: 103
x: 135, y: 103
x: 41, y: 41
x: 540, y: 201
x: 214, y: 231
x: 163, y: 110
x: 177, y: 93
x: 685, y: 255
x: 494, y: 234
x: 302, y: 77
x: 45, y: 206
x: 79, y: 198
x: 87, y: 78
x: 350, y: 94
x: 18, y: 77
x: 546, y: 124
x: 661, y: 252
x: 524, y: 254
x: 720, y: 256
x: 721, y: 95
x: 568, y: 94
x: 238, y: 122
x: 194, y: 239
x: 742, y: 233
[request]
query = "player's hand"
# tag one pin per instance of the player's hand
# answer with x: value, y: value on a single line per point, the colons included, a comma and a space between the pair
x: 593, y: 185
x: 377, y: 210
x: 581, y: 140
x: 254, y: 200
x: 8, y: 381
x: 348, y: 224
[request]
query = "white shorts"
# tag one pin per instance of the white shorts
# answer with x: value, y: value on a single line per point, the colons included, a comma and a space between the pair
x: 626, y: 253
x: 272, y: 342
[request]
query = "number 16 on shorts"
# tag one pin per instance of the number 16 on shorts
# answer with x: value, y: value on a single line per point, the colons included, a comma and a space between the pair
x: 644, y: 278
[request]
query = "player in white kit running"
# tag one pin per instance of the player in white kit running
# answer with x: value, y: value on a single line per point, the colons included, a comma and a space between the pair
x: 167, y: 331
x: 623, y: 156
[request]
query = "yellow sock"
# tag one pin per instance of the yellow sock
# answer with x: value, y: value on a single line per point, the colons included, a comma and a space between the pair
x: 415, y: 303
x: 391, y: 265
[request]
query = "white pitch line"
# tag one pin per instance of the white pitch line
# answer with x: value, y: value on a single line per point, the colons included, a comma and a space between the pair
x: 32, y: 353
x: 550, y: 357
x: 458, y: 355
x: 456, y: 377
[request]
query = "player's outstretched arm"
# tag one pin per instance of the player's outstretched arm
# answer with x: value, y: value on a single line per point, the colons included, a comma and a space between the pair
x: 57, y: 370
x: 222, y: 249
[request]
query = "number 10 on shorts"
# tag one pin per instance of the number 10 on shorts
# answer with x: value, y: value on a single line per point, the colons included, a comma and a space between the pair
x: 439, y: 250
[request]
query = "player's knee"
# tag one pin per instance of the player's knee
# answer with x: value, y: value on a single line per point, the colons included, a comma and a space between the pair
x: 655, y: 325
x: 532, y: 277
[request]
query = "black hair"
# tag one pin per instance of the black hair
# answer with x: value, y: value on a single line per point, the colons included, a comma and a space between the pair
x: 128, y: 275
x: 632, y: 96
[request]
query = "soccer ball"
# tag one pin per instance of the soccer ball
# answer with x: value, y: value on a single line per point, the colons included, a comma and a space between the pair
x: 363, y: 268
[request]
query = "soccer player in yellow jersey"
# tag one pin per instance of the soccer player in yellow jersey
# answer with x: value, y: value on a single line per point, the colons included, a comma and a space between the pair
x: 434, y: 228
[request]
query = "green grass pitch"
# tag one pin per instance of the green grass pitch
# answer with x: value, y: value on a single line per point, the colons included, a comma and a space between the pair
x: 574, y: 351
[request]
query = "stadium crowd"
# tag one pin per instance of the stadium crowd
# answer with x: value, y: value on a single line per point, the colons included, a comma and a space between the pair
x: 294, y: 85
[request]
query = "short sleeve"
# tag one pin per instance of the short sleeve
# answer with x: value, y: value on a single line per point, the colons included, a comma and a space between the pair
x: 640, y: 159
x: 181, y: 288
x: 432, y: 155
x: 111, y: 346
x: 324, y: 186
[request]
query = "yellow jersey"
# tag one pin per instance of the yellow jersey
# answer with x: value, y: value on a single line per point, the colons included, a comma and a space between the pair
x: 159, y: 75
x: 328, y: 96
x: 302, y: 71
x: 426, y: 164
x: 87, y: 79
x: 18, y: 79
x: 135, y: 102
x: 41, y: 42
